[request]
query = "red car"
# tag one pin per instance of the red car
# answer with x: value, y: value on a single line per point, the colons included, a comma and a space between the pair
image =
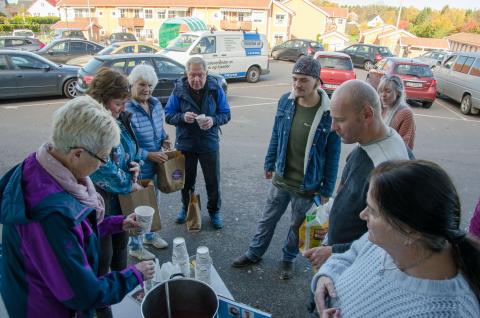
x: 418, y: 80
x: 336, y: 68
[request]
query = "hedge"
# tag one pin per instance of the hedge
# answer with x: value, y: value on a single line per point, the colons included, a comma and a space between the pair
x: 33, y: 20
x: 11, y: 27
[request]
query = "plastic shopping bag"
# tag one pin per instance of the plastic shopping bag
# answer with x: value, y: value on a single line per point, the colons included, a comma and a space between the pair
x: 314, y: 228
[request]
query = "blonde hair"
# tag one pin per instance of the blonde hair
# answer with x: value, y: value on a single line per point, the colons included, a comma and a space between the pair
x: 143, y: 72
x: 83, y: 122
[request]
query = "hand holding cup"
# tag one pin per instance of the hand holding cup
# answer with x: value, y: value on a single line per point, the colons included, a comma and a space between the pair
x: 131, y: 225
x: 147, y: 268
x: 144, y: 217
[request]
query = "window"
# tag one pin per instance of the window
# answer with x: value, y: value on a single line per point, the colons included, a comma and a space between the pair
x: 91, y: 48
x: 171, y: 14
x: 475, y: 71
x: 449, y: 63
x: 339, y: 21
x: 136, y: 13
x: 336, y: 63
x: 415, y: 70
x: 149, y: 33
x: 363, y: 49
x: 280, y: 19
x: 60, y: 47
x: 161, y: 14
x: 148, y: 14
x: 3, y: 62
x: 241, y: 15
x: 81, y: 13
x: 118, y: 66
x: 167, y: 67
x: 468, y: 63
x: 138, y: 33
x: 459, y: 63
x: 2, y: 43
x: 14, y: 42
x: 78, y: 47
x: 145, y: 49
x: 207, y: 45
x: 123, y: 13
x: 27, y: 63
x: 351, y: 49
x: 289, y: 44
x: 127, y: 49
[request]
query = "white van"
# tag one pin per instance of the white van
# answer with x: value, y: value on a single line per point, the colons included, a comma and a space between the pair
x: 233, y: 54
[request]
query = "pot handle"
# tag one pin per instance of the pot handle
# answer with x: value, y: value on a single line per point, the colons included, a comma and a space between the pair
x: 177, y: 275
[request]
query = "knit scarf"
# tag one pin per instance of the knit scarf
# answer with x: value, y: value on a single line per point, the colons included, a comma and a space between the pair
x: 81, y: 189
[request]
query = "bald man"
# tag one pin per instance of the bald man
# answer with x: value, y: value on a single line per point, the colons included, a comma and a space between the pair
x: 356, y: 117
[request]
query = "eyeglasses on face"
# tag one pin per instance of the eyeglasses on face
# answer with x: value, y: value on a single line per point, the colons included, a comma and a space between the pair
x: 102, y: 160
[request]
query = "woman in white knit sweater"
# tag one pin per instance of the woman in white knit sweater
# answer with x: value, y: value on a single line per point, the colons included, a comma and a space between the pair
x: 414, y: 261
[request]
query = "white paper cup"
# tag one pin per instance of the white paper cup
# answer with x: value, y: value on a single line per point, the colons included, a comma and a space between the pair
x: 144, y: 215
x: 200, y: 118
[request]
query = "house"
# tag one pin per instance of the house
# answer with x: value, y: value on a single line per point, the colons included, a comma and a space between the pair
x: 413, y: 47
x: 278, y: 20
x: 334, y: 41
x: 43, y: 8
x: 375, y: 22
x: 370, y: 36
x: 390, y: 39
x: 464, y: 42
x: 352, y: 18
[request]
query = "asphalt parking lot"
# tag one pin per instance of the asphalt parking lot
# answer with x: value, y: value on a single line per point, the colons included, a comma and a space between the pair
x: 443, y: 135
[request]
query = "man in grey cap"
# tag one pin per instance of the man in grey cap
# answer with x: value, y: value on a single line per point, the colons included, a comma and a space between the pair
x: 302, y: 161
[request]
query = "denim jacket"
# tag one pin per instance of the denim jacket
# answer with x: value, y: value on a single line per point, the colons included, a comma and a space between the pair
x: 322, y: 152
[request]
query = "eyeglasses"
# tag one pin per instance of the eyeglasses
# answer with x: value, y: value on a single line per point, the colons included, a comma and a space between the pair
x: 104, y: 161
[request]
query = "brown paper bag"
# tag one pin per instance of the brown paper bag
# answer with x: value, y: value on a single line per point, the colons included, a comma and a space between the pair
x: 194, y: 216
x: 146, y: 196
x: 171, y: 173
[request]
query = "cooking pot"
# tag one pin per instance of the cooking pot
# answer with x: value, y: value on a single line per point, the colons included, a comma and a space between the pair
x: 180, y: 298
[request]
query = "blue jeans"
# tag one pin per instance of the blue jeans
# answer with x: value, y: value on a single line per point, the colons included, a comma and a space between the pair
x: 275, y: 207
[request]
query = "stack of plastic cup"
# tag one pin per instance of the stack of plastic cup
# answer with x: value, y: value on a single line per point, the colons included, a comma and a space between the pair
x: 144, y: 215
x: 180, y: 255
x: 203, y: 265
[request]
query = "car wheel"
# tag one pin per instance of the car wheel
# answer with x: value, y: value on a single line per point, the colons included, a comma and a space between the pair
x: 69, y: 89
x: 368, y: 65
x: 253, y: 74
x: 427, y: 104
x: 466, y: 104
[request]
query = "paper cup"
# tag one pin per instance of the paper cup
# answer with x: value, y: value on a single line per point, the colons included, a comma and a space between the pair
x: 145, y: 217
x: 200, y: 118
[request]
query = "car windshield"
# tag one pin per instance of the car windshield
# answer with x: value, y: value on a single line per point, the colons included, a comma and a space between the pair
x: 414, y: 70
x: 23, y: 33
x: 315, y: 44
x: 384, y: 51
x: 92, y: 66
x: 338, y: 63
x: 182, y: 42
x: 108, y: 49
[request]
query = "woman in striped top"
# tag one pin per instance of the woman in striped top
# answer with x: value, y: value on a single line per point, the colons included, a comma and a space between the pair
x: 395, y: 110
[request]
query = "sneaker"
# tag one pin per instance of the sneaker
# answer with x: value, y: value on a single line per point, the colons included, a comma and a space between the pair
x: 181, y: 216
x: 216, y: 220
x: 157, y: 241
x: 286, y: 270
x: 141, y: 254
x: 243, y: 261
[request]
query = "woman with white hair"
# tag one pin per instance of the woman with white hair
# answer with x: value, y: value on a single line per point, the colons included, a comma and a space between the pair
x: 148, y: 124
x: 395, y: 110
x: 52, y: 219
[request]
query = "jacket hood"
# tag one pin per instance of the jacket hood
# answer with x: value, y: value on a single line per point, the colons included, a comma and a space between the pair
x: 12, y: 203
x: 181, y: 85
x: 24, y: 201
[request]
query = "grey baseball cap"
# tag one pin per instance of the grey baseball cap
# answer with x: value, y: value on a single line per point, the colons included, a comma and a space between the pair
x: 306, y: 65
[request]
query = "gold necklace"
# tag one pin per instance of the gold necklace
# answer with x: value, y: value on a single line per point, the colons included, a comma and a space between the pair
x: 403, y: 269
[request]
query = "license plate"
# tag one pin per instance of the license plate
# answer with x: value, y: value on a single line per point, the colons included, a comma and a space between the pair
x: 332, y: 86
x: 413, y: 84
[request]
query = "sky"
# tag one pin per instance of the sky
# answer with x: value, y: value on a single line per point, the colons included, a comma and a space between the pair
x: 436, y: 4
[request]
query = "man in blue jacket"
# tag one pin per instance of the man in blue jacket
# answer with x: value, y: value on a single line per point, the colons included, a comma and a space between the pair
x: 198, y: 107
x: 302, y: 159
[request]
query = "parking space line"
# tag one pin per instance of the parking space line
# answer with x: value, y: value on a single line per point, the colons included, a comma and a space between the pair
x: 447, y: 108
x: 449, y: 118
x: 230, y: 87
x: 13, y: 106
x: 254, y: 97
x: 252, y: 105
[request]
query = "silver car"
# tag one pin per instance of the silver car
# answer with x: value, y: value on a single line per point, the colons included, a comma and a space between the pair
x: 459, y: 78
x: 434, y: 58
x: 22, y: 43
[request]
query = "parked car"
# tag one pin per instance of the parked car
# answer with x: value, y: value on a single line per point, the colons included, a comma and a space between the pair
x: 459, y: 78
x: 167, y: 71
x: 336, y: 69
x: 120, y: 37
x: 118, y: 48
x: 434, y: 58
x: 68, y: 33
x: 23, y: 32
x: 293, y: 49
x: 25, y: 74
x: 418, y: 80
x: 22, y: 43
x: 367, y: 55
x: 61, y: 51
